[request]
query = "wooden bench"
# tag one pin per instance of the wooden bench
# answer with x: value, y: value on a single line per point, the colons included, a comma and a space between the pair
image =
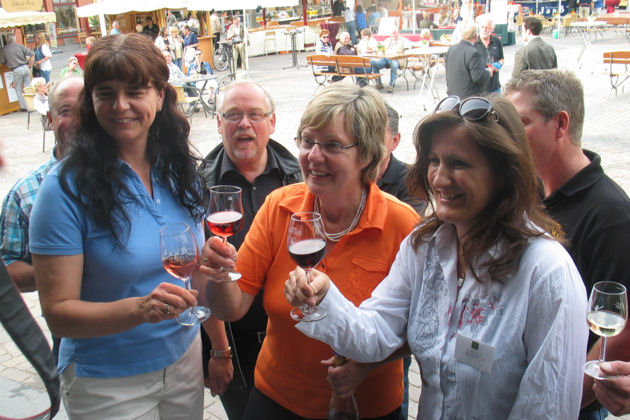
x: 617, y: 23
x: 324, y: 67
x: 618, y: 67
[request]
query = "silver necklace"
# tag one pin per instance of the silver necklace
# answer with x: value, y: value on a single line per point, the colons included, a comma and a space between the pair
x: 335, y: 237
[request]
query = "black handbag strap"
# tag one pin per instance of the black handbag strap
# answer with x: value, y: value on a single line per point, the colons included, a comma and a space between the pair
x: 18, y: 322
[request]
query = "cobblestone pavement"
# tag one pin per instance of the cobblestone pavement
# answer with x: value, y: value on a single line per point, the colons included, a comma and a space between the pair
x: 607, y: 116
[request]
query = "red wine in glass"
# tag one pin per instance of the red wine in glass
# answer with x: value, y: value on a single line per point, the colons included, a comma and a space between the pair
x: 308, y: 253
x: 180, y: 255
x: 225, y: 215
x: 306, y: 243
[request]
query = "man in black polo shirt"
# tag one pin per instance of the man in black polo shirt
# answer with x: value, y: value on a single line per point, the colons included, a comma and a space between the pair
x: 18, y: 58
x: 593, y: 211
x: 249, y: 159
x: 491, y: 49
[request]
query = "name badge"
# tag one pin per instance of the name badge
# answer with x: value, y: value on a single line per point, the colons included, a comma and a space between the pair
x: 474, y: 353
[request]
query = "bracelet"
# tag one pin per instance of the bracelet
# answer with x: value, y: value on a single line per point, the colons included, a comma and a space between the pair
x: 221, y: 354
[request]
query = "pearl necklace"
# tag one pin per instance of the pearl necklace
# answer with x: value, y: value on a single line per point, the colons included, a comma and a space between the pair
x: 336, y: 237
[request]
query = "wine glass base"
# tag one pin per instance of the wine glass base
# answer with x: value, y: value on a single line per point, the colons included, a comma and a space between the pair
x: 591, y: 368
x: 193, y: 316
x: 307, y: 313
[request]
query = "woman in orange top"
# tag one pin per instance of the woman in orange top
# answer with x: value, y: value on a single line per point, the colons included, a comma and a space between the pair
x: 341, y: 143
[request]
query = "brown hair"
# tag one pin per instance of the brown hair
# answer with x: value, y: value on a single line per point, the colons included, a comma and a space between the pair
x: 514, y: 214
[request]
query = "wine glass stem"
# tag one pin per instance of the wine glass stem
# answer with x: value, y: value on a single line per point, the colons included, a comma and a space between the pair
x: 602, y: 350
x: 187, y: 283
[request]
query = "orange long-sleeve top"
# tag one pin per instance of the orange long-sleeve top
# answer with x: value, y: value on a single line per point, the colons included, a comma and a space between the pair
x: 288, y: 369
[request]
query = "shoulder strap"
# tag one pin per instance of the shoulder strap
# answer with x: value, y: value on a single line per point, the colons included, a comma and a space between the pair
x: 18, y: 322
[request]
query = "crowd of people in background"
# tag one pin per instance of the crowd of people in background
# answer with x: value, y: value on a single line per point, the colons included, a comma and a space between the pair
x: 477, y: 259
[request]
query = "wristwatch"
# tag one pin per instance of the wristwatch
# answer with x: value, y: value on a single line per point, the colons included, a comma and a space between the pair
x: 221, y: 354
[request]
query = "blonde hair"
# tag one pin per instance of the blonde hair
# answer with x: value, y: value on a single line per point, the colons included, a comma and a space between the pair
x: 364, y: 116
x: 37, y: 81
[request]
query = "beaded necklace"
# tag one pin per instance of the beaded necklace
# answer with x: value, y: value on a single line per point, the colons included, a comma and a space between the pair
x: 335, y: 237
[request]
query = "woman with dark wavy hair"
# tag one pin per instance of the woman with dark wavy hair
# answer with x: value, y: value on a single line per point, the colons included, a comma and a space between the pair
x: 490, y: 304
x: 95, y: 243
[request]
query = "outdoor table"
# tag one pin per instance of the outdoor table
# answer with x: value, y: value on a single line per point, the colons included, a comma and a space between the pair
x: 294, y: 59
x: 193, y: 82
x: 586, y: 29
x: 427, y: 54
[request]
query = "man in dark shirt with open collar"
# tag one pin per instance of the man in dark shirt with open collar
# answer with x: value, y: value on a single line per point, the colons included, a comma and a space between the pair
x: 249, y: 159
x: 593, y: 211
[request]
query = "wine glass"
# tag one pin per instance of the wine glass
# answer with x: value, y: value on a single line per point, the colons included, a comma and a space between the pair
x: 225, y: 215
x: 608, y: 312
x: 306, y: 242
x: 180, y: 255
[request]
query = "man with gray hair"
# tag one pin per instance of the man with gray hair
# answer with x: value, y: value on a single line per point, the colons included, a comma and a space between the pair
x: 466, y: 72
x: 247, y: 158
x: 593, y: 211
x: 19, y: 59
x: 491, y: 50
x: 16, y: 209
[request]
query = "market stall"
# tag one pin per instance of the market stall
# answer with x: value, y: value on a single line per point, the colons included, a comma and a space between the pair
x: 8, y: 20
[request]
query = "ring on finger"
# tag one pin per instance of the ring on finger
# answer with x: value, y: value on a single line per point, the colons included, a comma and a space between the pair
x: 205, y: 260
x: 166, y: 309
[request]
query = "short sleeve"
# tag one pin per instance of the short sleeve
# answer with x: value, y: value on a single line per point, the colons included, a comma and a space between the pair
x: 56, y: 225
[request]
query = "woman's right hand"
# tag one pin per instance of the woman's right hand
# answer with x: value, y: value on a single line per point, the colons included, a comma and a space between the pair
x: 298, y: 291
x: 165, y: 302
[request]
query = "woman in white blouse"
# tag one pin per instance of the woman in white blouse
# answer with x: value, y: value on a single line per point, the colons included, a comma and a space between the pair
x: 490, y: 304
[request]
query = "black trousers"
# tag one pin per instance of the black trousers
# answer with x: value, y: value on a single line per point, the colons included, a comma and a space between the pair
x: 261, y: 407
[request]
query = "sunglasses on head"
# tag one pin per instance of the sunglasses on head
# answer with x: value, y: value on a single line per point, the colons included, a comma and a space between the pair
x: 470, y: 109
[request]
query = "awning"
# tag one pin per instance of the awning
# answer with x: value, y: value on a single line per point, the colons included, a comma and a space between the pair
x: 205, y: 5
x: 118, y: 7
x: 14, y: 19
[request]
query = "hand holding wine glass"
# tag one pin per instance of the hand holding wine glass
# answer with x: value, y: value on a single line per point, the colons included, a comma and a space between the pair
x: 180, y: 255
x: 225, y: 215
x: 306, y: 242
x: 608, y: 312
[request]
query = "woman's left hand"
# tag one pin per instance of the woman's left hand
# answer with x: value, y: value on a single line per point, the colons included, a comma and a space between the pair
x: 346, y: 378
x: 299, y: 291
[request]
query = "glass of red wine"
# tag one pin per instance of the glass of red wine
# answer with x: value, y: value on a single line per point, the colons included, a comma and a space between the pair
x: 306, y: 242
x: 180, y: 256
x: 225, y: 215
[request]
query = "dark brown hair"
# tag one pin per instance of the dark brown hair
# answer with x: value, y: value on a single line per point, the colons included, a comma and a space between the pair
x: 514, y: 214
x: 93, y: 162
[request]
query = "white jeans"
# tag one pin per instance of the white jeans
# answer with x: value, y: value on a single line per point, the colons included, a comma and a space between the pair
x: 172, y: 393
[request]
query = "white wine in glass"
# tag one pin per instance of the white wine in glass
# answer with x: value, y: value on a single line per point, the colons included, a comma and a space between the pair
x: 306, y: 242
x: 608, y: 312
x: 180, y: 256
x: 225, y: 215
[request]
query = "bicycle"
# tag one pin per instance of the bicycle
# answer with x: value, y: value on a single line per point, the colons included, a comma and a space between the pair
x: 221, y: 56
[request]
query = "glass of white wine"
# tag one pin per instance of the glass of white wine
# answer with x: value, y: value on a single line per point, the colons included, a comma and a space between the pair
x: 608, y: 312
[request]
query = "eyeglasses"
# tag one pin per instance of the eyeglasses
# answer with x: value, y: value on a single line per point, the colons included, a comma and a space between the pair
x: 471, y: 109
x: 236, y: 116
x: 329, y: 147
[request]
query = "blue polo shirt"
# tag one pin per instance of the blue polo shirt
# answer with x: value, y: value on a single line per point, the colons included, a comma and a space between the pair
x: 59, y: 226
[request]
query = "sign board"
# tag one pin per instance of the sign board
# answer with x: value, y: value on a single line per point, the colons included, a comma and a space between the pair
x: 22, y: 5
